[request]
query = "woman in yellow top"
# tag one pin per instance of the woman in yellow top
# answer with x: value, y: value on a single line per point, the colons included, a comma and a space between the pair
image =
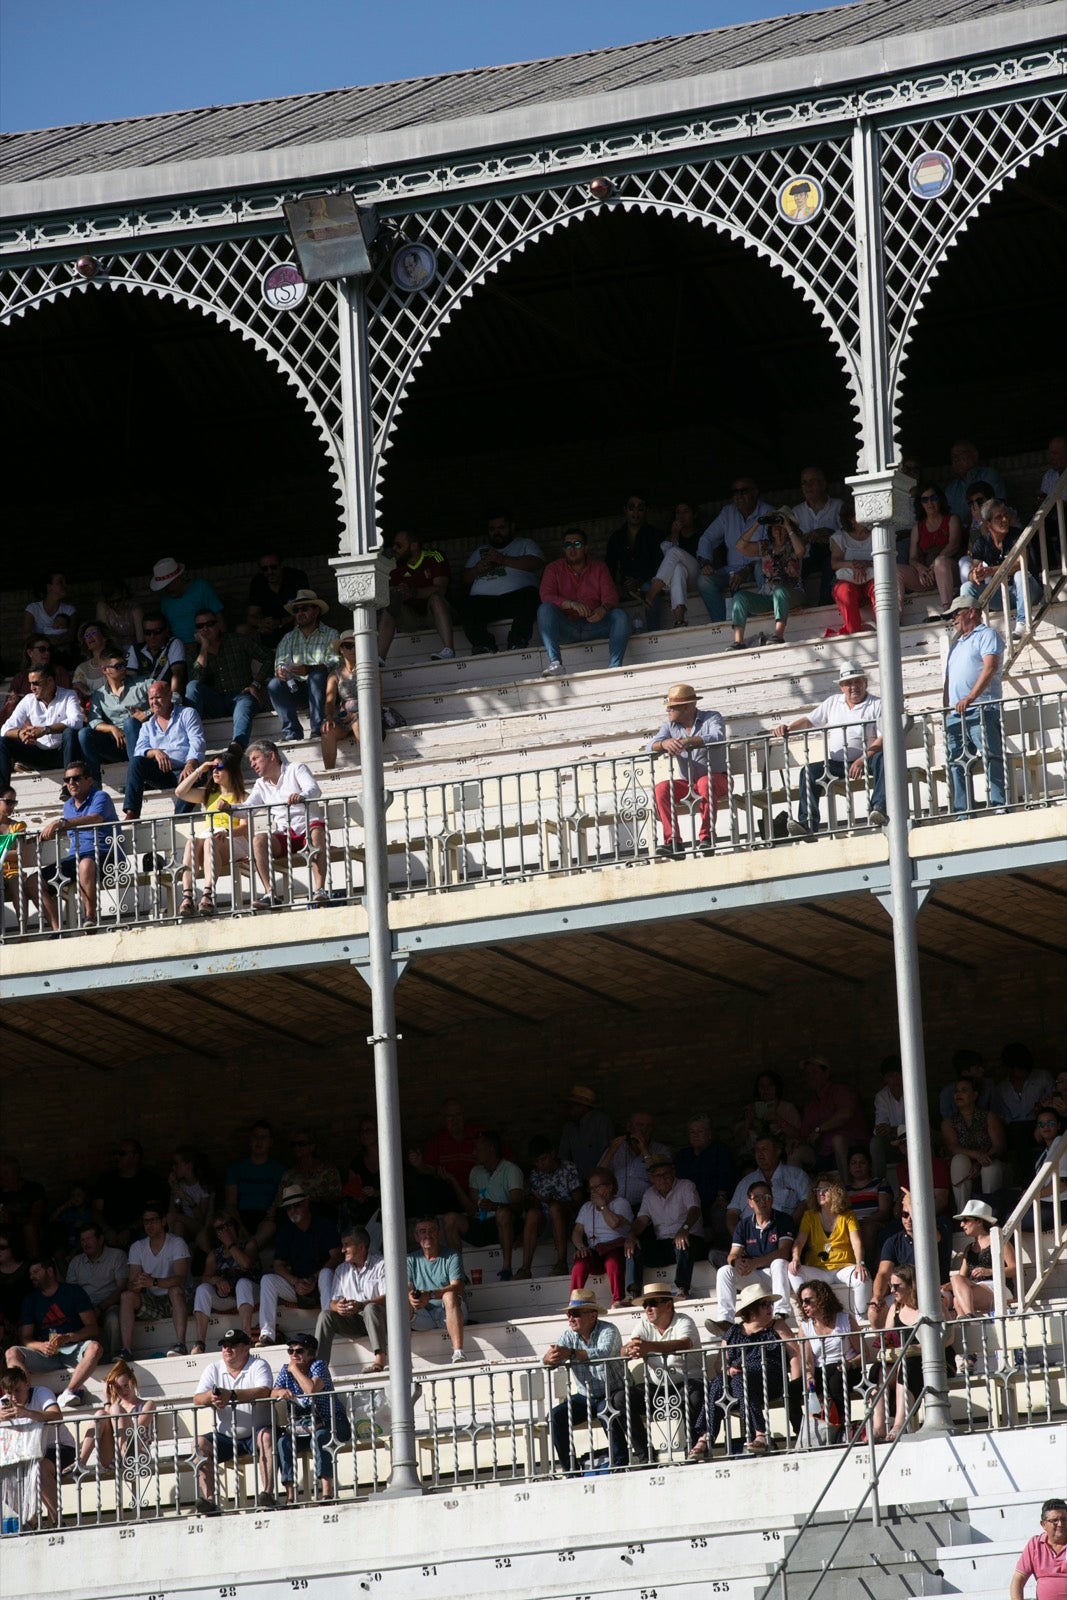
x: 217, y: 784
x: 828, y: 1245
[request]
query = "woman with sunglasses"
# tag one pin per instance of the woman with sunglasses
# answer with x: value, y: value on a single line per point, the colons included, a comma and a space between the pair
x: 936, y: 542
x: 89, y: 673
x: 905, y: 1376
x: 991, y: 550
x: 972, y: 1282
x: 829, y: 1246
x: 341, y: 718
x: 218, y: 785
x: 1047, y: 1129
x: 830, y: 1352
x: 230, y: 1277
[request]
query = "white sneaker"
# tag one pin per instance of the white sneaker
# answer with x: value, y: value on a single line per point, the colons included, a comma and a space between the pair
x: 553, y: 670
x: 446, y: 653
x: 458, y: 1355
x: 877, y: 819
x: 69, y: 1399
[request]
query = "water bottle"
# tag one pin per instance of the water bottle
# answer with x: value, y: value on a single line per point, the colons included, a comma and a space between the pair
x: 812, y: 1403
x: 11, y: 1524
x: 290, y: 683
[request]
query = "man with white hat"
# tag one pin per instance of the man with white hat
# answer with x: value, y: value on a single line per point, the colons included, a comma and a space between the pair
x: 696, y: 741
x: 668, y: 1343
x: 587, y: 1346
x: 307, y: 1249
x: 306, y: 656
x: 180, y: 598
x: 586, y: 1131
x: 851, y: 745
x: 972, y: 700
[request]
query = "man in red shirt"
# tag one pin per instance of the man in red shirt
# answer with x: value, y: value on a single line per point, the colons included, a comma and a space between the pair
x: 833, y: 1119
x: 449, y: 1152
x: 579, y: 602
x: 418, y: 590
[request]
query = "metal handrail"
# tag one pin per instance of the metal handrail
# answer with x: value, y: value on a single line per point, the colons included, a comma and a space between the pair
x: 1029, y: 1209
x: 859, y: 1440
x: 1035, y: 533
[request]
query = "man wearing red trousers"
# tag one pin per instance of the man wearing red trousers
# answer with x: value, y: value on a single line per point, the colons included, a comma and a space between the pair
x: 696, y: 740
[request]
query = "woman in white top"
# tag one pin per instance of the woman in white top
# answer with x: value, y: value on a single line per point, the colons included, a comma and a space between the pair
x: 50, y: 613
x: 830, y: 1348
x: 600, y: 1234
x: 853, y: 559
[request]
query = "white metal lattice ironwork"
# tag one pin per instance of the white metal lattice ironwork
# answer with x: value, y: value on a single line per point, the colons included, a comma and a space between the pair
x: 736, y: 194
x: 222, y: 280
x: 987, y: 147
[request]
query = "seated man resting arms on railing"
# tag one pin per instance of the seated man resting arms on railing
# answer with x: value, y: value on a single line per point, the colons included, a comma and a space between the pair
x: 233, y: 1387
x: 285, y: 786
x: 588, y: 1347
x: 853, y: 747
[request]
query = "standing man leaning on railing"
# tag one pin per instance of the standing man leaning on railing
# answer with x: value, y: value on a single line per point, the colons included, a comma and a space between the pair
x: 696, y: 740
x: 973, y: 706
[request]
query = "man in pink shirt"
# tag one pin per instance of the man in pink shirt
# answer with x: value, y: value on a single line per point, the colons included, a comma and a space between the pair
x: 579, y: 602
x: 833, y: 1118
x: 1045, y: 1556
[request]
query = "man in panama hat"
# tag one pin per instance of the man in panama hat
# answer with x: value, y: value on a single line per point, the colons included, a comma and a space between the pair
x: 587, y: 1346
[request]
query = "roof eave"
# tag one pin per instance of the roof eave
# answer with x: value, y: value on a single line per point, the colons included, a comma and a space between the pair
x: 818, y: 72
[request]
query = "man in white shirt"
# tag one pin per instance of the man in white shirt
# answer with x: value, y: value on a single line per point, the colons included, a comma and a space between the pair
x: 671, y: 1209
x: 285, y: 786
x: 818, y: 517
x: 743, y: 509
x: 158, y: 1276
x: 236, y: 1388
x: 42, y: 731
x: 668, y: 1343
x: 357, y: 1299
x: 852, y: 744
x: 503, y: 579
x: 102, y: 1271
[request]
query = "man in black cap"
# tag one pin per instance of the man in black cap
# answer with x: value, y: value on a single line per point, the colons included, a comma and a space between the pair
x: 236, y: 1388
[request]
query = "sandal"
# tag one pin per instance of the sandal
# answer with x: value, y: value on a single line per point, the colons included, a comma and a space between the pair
x: 207, y: 903
x: 198, y: 1349
x: 699, y: 1452
x: 187, y: 908
x: 757, y: 1445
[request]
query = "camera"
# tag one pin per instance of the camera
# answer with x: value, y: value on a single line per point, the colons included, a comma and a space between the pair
x: 773, y: 519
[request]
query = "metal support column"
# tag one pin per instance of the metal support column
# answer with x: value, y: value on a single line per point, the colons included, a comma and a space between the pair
x: 362, y: 583
x: 883, y: 502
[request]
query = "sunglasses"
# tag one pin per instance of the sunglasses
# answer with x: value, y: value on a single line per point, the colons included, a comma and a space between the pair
x: 897, y: 1288
x: 75, y: 777
x: 270, y: 566
x: 297, y: 1349
x: 929, y: 499
x: 574, y: 544
x: 207, y: 622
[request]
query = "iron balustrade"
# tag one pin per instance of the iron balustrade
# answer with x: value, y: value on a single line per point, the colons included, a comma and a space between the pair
x: 1036, y: 1230
x: 553, y: 821
x: 508, y: 1422
x: 1004, y: 596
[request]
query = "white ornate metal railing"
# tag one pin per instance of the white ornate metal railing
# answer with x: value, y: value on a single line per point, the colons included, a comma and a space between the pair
x: 508, y: 1422
x: 1036, y: 1231
x: 618, y: 811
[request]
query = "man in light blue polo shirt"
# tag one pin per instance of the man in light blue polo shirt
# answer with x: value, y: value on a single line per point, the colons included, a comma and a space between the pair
x: 587, y: 1346
x: 170, y: 746
x: 973, y: 706
x: 741, y: 512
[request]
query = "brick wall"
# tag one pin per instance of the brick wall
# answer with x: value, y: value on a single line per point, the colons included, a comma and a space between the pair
x: 681, y: 1056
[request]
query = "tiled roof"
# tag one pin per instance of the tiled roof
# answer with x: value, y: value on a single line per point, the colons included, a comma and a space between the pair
x: 180, y: 136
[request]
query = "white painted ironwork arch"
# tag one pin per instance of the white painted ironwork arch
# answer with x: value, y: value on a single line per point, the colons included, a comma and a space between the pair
x: 57, y: 282
x: 736, y: 196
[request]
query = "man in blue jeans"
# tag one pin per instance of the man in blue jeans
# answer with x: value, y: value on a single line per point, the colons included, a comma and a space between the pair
x: 973, y: 702
x: 116, y: 711
x: 227, y: 676
x: 852, y: 745
x: 579, y: 601
x: 591, y: 1348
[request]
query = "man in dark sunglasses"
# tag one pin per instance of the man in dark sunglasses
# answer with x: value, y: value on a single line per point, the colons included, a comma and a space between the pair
x: 579, y: 601
x: 270, y: 590
x: 228, y: 675
x: 89, y: 819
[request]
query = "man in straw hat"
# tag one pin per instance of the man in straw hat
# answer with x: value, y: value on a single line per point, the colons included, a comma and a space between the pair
x: 306, y: 1251
x: 853, y: 747
x: 662, y: 1339
x: 696, y: 740
x: 586, y: 1131
x: 586, y: 1346
x: 306, y: 656
x: 180, y: 598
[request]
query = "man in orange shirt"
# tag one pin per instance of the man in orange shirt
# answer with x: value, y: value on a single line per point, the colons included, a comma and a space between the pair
x: 580, y: 602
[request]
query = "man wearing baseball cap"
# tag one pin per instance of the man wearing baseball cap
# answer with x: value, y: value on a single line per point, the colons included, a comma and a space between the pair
x: 972, y: 699
x: 695, y: 739
x: 851, y: 745
x: 590, y: 1348
x: 235, y: 1388
x: 307, y: 1248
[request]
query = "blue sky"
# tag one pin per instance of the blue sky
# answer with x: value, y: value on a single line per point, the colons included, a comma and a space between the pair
x: 67, y: 61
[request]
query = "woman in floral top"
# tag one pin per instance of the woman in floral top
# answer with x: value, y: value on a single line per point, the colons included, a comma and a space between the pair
x: 778, y: 550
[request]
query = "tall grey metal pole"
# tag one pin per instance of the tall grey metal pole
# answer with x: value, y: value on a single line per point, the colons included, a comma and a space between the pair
x: 362, y: 583
x: 882, y: 501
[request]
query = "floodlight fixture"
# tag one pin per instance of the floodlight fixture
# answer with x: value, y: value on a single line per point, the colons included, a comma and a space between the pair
x: 331, y: 235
